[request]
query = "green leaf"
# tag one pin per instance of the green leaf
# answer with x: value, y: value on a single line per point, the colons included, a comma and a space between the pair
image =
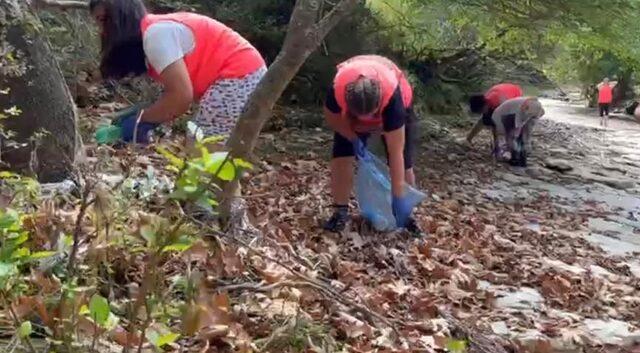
x: 457, y: 346
x: 148, y: 233
x: 178, y: 247
x: 167, y: 339
x: 197, y: 165
x: 204, y: 202
x: 41, y: 255
x: 68, y: 240
x: 19, y: 238
x: 8, y: 218
x: 99, y: 309
x: 242, y: 163
x: 212, y: 139
x: 152, y: 336
x: 20, y: 253
x: 204, y: 152
x: 160, y: 336
x: 178, y: 194
x: 7, y: 270
x: 25, y: 329
x: 84, y: 310
x: 190, y: 189
x: 173, y: 169
x: 8, y: 175
x: 227, y: 172
x: 172, y: 158
x: 112, y: 322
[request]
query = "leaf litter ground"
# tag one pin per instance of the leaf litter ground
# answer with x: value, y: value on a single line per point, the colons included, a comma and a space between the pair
x: 514, y: 270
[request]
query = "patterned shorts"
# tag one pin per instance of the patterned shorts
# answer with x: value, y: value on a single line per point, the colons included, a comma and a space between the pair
x: 223, y: 103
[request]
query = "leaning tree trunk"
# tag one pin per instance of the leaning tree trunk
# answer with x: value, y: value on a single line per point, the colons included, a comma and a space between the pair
x: 304, y: 35
x: 307, y: 29
x: 35, y: 102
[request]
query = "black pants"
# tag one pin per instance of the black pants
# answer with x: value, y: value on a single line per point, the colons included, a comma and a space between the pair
x: 604, y: 109
x: 344, y: 148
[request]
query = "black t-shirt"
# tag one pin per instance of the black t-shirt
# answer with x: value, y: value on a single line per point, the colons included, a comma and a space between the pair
x: 394, y: 115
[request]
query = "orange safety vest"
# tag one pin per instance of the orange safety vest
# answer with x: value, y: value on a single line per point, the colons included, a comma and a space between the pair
x: 374, y: 67
x: 500, y: 93
x: 605, y: 94
x: 219, y: 51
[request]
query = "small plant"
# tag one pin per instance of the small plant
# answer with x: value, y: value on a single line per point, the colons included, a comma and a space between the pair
x: 17, y: 190
x: 14, y: 252
x: 198, y: 179
x: 457, y: 346
x: 14, y: 255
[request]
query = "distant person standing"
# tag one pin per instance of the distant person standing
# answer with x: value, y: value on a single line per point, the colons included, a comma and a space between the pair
x: 605, y: 97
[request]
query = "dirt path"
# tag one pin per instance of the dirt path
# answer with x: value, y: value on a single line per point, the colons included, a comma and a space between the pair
x: 543, y: 258
x: 599, y: 241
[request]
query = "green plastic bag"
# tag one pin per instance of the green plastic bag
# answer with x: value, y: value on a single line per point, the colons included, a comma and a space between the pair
x: 108, y: 134
x: 112, y: 134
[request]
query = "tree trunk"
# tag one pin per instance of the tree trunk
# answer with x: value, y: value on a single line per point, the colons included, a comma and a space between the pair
x: 303, y: 37
x: 32, y: 82
x: 624, y: 89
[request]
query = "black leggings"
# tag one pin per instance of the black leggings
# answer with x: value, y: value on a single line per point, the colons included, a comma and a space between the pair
x: 344, y: 148
x: 604, y: 109
x: 487, y: 119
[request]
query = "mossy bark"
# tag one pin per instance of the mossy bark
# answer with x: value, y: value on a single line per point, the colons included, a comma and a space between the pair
x: 45, y: 139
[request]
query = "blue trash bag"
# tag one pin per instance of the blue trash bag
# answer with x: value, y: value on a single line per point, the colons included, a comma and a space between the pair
x: 373, y: 192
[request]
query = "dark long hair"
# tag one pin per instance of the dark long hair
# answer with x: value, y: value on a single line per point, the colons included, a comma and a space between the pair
x: 122, y: 50
x: 477, y: 102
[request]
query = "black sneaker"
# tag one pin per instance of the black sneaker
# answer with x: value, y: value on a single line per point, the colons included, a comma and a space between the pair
x: 338, y: 221
x: 519, y: 160
x: 413, y: 229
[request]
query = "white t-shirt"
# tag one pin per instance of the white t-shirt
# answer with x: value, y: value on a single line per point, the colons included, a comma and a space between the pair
x: 166, y: 42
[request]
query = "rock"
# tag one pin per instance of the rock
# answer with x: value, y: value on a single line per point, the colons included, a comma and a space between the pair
x: 111, y: 179
x: 500, y: 328
x: 613, y: 246
x: 535, y: 172
x: 470, y: 181
x: 523, y: 299
x: 533, y: 341
x: 569, y: 341
x: 602, y: 272
x: 559, y: 165
x: 621, y: 184
x: 564, y: 315
x: 563, y: 267
x: 612, y: 332
x: 452, y: 205
x: 49, y: 190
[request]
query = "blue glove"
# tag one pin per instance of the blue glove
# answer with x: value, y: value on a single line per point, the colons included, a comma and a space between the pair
x: 359, y: 148
x: 401, y: 210
x: 128, y: 125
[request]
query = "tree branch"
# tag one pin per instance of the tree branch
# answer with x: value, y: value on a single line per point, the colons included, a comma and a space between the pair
x: 326, y: 24
x: 61, y: 4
